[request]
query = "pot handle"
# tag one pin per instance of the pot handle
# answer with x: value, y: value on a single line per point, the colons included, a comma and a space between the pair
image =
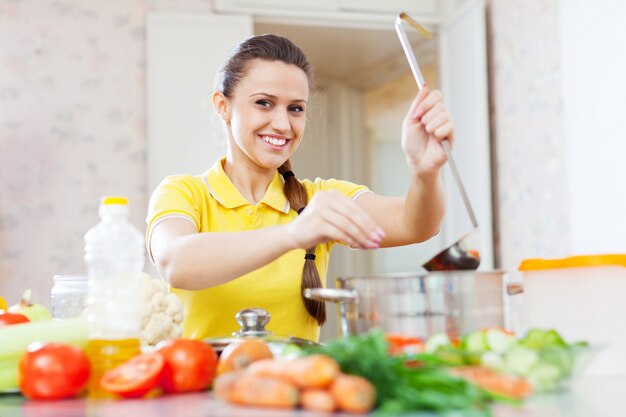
x: 341, y: 296
x: 514, y: 288
x: 335, y: 295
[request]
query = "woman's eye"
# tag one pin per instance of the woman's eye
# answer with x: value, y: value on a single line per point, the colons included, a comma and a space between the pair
x: 296, y: 109
x: 264, y: 103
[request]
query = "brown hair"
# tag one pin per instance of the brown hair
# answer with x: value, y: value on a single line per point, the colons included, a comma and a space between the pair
x: 271, y: 48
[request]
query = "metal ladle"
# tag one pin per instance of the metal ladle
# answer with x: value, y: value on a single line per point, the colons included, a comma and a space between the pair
x: 456, y: 256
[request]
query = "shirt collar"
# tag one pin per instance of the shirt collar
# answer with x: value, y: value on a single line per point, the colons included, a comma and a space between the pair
x: 225, y: 192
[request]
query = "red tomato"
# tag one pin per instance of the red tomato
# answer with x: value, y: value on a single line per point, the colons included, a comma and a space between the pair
x: 189, y: 365
x: 135, y: 377
x: 7, y: 319
x: 52, y: 371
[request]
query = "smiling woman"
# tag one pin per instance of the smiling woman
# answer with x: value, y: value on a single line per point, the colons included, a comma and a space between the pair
x: 249, y: 233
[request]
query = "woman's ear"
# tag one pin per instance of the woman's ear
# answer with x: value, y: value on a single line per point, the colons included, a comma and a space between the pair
x: 221, y: 105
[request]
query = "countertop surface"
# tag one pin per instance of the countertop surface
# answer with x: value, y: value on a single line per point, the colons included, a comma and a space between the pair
x: 590, y: 396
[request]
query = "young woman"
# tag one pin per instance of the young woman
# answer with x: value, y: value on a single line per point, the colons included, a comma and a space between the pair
x: 249, y: 233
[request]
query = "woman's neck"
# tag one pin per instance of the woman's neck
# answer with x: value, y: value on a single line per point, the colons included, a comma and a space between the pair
x: 251, y: 180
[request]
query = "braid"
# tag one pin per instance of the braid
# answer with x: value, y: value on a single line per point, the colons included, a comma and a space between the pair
x: 298, y: 199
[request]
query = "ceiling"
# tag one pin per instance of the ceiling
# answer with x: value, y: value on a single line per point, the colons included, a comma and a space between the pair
x: 360, y: 57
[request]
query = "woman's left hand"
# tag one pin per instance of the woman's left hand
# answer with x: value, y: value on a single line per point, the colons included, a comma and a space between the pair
x: 424, y: 127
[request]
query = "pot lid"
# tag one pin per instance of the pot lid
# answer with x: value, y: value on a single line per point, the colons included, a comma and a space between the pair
x: 253, y: 322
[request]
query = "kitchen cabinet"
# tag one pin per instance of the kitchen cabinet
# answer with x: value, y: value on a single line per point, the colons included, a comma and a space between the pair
x: 422, y: 9
x: 185, y: 51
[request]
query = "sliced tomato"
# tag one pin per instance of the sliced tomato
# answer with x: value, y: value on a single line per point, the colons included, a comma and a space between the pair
x: 7, y: 319
x: 401, y: 344
x: 135, y: 377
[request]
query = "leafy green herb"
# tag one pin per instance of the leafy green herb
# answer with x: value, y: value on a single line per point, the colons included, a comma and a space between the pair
x: 401, y: 388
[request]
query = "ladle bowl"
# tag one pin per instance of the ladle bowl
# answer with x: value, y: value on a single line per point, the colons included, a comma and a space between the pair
x: 457, y: 257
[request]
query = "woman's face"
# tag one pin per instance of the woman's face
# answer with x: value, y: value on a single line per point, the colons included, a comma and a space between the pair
x: 268, y: 113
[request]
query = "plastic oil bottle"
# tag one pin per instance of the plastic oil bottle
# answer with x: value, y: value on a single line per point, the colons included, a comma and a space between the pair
x: 115, y: 256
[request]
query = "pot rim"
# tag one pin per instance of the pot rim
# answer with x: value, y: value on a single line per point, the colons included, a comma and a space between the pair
x: 417, y: 274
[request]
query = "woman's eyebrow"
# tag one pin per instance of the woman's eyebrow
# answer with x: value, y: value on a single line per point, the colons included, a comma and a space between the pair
x: 299, y: 100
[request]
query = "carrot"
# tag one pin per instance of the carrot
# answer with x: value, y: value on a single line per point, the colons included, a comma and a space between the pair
x: 495, y: 382
x: 263, y: 391
x: 315, y: 371
x: 317, y: 400
x: 224, y: 385
x: 276, y: 368
x: 239, y: 355
x: 353, y: 393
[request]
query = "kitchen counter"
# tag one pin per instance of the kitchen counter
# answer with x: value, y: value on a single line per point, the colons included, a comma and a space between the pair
x: 588, y: 397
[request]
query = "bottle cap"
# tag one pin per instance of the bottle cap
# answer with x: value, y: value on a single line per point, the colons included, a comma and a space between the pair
x: 114, y: 206
x: 114, y: 200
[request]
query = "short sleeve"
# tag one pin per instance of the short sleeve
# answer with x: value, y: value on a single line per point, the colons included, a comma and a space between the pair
x: 175, y: 196
x: 349, y: 189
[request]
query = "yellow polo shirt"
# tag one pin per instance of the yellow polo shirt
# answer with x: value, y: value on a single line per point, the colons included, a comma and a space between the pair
x: 213, y: 204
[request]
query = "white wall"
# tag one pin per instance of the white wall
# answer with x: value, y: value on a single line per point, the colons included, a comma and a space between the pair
x: 593, y: 55
x: 527, y: 131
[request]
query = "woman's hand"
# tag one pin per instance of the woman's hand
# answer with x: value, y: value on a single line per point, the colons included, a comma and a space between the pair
x: 424, y: 127
x: 331, y: 216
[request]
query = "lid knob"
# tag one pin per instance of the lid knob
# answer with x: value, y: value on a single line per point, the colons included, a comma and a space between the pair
x: 252, y: 322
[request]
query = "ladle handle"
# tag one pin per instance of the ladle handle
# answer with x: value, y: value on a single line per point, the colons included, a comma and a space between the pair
x: 459, y: 184
x: 419, y: 79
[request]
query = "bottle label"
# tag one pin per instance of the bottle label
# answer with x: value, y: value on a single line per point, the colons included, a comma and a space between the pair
x: 113, y: 310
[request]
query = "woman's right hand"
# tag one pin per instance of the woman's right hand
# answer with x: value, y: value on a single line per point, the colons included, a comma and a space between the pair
x: 331, y: 216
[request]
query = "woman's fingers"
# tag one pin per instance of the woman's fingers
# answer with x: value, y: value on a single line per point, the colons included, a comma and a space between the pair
x: 427, y: 103
x: 343, y: 220
x: 446, y: 131
x: 423, y: 93
x: 437, y: 122
x: 355, y: 225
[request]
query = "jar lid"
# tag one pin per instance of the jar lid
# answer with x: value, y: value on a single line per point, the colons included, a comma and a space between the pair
x: 536, y: 264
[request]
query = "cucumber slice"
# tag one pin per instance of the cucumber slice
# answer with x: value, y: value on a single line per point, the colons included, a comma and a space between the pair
x: 541, y: 339
x: 521, y: 360
x: 544, y: 377
x: 560, y: 357
x: 436, y: 341
x: 553, y: 338
x: 493, y: 360
x: 499, y: 341
x: 475, y: 342
x: 290, y: 351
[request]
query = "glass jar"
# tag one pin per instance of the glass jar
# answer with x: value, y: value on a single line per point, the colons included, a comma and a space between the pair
x: 69, y: 296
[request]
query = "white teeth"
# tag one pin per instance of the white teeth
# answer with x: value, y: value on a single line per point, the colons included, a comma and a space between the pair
x: 274, y: 141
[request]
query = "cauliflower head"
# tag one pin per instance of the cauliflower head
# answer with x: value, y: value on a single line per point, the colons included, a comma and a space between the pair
x: 161, y: 312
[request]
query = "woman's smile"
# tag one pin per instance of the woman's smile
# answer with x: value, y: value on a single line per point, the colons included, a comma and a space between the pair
x: 277, y: 142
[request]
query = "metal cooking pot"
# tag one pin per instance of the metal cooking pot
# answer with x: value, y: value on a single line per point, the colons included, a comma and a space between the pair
x: 417, y: 304
x: 253, y: 322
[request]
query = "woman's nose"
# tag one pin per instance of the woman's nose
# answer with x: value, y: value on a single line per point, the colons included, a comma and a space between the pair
x: 280, y: 121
